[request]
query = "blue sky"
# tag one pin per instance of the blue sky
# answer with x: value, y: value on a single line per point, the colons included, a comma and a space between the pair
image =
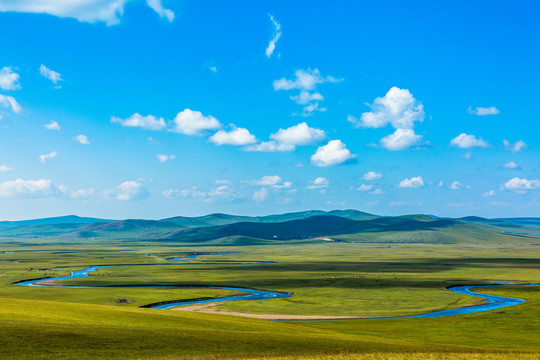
x: 150, y: 109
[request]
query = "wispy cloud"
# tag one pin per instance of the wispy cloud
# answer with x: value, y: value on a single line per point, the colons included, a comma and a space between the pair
x: 483, y: 111
x: 92, y: 11
x: 53, y: 76
x: 44, y: 157
x: 275, y: 36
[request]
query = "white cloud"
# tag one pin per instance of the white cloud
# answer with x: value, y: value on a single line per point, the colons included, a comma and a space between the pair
x: 364, y: 187
x: 5, y: 168
x: 511, y: 165
x: 514, y: 147
x: 332, y: 154
x: 82, y: 193
x: 270, y: 146
x: 9, y: 80
x: 260, y: 195
x: 482, y: 111
x: 377, y: 192
x: 53, y: 125
x: 157, y: 6
x: 191, y: 122
x: 237, y: 136
x: 275, y: 36
x: 300, y: 134
x: 149, y: 122
x: 318, y: 183
x: 401, y: 139
x: 213, y: 69
x: 26, y: 188
x: 414, y: 182
x: 465, y: 141
x: 162, y: 157
x: 194, y: 192
x: 43, y: 158
x: 489, y: 193
x: 372, y: 175
x: 305, y: 97
x: 521, y: 184
x: 456, y: 185
x: 10, y: 102
x: 305, y: 80
x: 309, y: 109
x: 129, y: 190
x: 398, y: 108
x: 50, y: 74
x: 269, y: 180
x: 222, y: 192
x: 82, y: 139
x: 92, y: 11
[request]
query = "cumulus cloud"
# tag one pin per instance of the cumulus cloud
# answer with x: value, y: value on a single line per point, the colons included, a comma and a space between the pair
x: 82, y: 193
x: 398, y: 108
x: 318, y: 183
x: 82, y: 139
x: 237, y: 136
x: 332, y: 154
x: 465, y: 141
x: 306, y: 81
x: 514, y: 147
x: 377, y: 192
x: 9, y: 80
x: 300, y: 134
x: 91, y: 11
x: 364, y: 187
x: 9, y: 102
x: 401, y: 139
x: 489, y: 193
x: 521, y: 184
x: 270, y: 146
x: 275, y: 36
x: 53, y: 76
x: 414, y: 182
x: 372, y: 175
x: 129, y: 190
x: 456, y: 185
x: 191, y: 122
x: 162, y: 157
x: 27, y: 188
x: 306, y: 97
x: 5, y: 168
x: 483, y: 111
x: 44, y: 157
x: 149, y: 122
x: 260, y: 195
x: 53, y: 125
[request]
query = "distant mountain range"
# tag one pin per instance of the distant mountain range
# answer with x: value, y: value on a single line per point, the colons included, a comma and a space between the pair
x: 317, y: 225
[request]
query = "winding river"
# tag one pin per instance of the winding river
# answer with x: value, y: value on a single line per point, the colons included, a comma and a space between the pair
x: 493, y: 302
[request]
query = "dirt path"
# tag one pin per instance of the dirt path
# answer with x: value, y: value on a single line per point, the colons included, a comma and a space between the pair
x: 207, y: 308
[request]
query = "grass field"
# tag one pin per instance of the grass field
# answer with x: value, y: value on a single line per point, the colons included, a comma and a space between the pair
x: 327, y: 278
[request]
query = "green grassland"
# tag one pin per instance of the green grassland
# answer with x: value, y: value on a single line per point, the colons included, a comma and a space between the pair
x: 372, y: 274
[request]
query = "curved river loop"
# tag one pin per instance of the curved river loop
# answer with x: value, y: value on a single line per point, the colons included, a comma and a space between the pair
x: 493, y: 302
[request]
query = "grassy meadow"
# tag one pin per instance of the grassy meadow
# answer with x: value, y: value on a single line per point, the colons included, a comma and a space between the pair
x: 363, y: 279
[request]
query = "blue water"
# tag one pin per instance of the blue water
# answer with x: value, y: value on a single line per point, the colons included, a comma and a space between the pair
x: 493, y: 301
